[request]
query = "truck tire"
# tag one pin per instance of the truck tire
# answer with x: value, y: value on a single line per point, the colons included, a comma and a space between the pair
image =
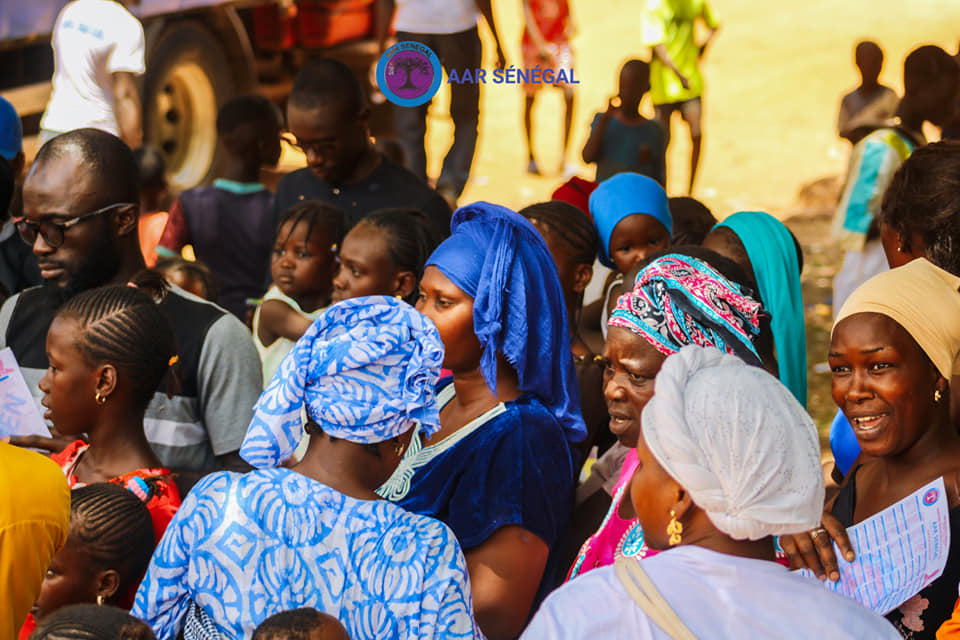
x: 188, y: 78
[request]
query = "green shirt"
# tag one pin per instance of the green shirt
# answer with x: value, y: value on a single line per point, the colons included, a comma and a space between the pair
x: 670, y: 23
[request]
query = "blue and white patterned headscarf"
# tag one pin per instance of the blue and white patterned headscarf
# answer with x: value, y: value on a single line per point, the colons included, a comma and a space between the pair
x: 366, y: 369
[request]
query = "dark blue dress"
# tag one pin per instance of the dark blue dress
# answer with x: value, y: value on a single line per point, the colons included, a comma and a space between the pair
x: 511, y: 466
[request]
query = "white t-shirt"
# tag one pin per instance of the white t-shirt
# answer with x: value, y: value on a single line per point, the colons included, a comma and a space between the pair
x: 716, y: 595
x: 435, y: 16
x: 92, y: 39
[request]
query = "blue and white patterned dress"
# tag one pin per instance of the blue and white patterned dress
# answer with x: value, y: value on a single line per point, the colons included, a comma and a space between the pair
x: 246, y: 546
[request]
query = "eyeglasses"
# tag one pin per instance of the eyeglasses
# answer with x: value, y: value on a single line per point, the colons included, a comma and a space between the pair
x: 316, y: 146
x: 51, y: 231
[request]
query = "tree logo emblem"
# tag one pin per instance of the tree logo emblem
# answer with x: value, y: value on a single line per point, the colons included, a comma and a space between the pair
x: 409, y: 74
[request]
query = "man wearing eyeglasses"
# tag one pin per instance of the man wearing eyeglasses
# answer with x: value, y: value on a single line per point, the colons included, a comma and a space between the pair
x: 328, y: 116
x: 80, y: 218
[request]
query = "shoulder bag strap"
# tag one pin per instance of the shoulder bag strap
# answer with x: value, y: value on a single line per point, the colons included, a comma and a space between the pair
x: 638, y: 584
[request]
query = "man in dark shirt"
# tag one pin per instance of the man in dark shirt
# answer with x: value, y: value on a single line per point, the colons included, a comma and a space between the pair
x: 328, y: 118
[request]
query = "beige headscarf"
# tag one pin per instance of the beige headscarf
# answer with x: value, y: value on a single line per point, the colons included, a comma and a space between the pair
x: 923, y: 299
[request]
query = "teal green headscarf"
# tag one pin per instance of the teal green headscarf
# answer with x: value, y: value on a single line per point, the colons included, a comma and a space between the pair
x: 773, y: 255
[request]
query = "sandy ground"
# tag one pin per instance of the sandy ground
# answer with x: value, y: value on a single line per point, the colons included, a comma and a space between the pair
x: 774, y: 74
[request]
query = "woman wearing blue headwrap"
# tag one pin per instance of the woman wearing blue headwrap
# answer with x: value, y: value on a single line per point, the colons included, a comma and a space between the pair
x: 500, y: 472
x: 767, y: 250
x: 247, y: 546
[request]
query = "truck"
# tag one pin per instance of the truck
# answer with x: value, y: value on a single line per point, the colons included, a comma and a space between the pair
x: 199, y: 54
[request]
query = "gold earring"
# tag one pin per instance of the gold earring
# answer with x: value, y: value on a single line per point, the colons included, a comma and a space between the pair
x: 398, y: 449
x: 101, y: 400
x: 674, y: 529
x: 100, y: 599
x: 937, y: 395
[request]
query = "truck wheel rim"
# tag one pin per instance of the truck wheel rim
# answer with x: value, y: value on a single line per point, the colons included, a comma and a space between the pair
x: 184, y: 123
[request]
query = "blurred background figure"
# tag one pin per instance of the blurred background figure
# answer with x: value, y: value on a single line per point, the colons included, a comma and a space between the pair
x: 871, y: 104
x: 98, y: 53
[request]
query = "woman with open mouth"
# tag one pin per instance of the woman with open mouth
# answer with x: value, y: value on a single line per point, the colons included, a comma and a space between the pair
x: 892, y: 354
x: 678, y: 299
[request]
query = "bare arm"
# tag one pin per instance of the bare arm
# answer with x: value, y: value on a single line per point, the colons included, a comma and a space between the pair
x: 660, y: 51
x: 280, y: 320
x: 533, y: 29
x: 486, y: 10
x: 505, y: 572
x: 594, y: 145
x: 703, y: 47
x: 382, y: 20
x: 126, y: 108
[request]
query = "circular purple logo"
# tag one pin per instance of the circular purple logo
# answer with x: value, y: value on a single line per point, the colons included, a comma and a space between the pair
x: 409, y: 73
x: 930, y: 497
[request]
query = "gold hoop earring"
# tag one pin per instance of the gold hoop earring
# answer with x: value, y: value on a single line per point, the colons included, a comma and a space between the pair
x: 674, y: 529
x: 937, y: 395
x: 100, y: 599
x: 101, y: 400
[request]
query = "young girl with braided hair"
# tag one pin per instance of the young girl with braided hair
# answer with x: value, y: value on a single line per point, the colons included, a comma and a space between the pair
x: 90, y: 622
x: 107, y: 551
x: 109, y: 350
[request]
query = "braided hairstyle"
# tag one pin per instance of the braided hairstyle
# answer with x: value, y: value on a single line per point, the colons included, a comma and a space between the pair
x: 409, y: 240
x: 90, y: 622
x: 316, y: 213
x: 123, y: 326
x: 570, y: 224
x: 113, y: 528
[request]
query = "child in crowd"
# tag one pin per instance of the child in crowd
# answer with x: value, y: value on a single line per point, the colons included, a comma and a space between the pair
x: 305, y: 623
x: 231, y: 222
x: 191, y: 276
x: 546, y: 44
x: 109, y: 350
x: 572, y: 241
x: 633, y: 222
x: 153, y: 196
x: 622, y: 139
x: 771, y: 255
x: 106, y: 554
x: 871, y: 104
x: 307, y: 239
x: 90, y: 622
x: 692, y: 220
x: 384, y: 255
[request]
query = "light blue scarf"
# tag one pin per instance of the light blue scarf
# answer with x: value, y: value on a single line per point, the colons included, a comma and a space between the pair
x: 773, y: 255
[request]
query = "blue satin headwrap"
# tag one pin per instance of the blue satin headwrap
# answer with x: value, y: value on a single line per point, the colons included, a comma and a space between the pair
x: 500, y: 260
x: 366, y: 370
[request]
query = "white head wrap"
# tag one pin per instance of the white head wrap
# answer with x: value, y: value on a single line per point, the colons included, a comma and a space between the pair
x: 736, y: 439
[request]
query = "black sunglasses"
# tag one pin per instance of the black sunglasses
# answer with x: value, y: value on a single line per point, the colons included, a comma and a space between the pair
x: 51, y: 231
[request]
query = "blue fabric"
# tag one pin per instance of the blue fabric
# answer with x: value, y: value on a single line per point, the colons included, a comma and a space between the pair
x: 366, y: 369
x: 238, y: 188
x: 498, y: 258
x: 513, y: 467
x: 246, y: 546
x: 773, y: 256
x: 626, y: 194
x: 621, y: 146
x: 11, y: 131
x: 843, y: 443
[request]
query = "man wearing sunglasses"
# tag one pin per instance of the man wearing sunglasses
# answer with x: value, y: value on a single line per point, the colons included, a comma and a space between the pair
x: 80, y: 218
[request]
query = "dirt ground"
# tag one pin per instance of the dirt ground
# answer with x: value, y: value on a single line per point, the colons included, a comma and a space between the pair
x: 774, y: 73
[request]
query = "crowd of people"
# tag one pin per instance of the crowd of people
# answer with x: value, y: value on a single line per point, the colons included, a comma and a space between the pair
x: 342, y: 410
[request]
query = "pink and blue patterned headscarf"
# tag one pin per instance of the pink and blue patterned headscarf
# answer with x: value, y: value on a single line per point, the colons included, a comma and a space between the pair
x: 679, y: 300
x: 366, y: 370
